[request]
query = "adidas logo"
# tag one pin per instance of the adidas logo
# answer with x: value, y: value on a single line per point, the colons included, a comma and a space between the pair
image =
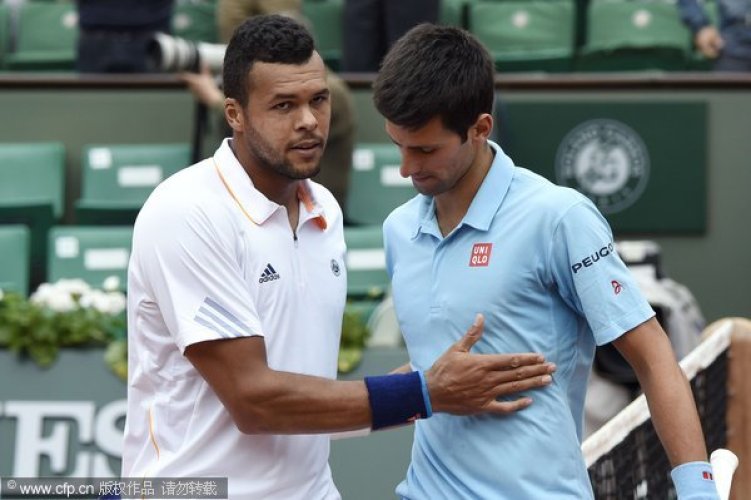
x: 268, y: 274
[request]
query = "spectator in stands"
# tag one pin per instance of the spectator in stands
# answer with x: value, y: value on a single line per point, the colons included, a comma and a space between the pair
x: 231, y: 13
x: 730, y: 45
x: 372, y: 26
x: 114, y: 34
x: 236, y: 291
x: 337, y: 158
x: 538, y: 260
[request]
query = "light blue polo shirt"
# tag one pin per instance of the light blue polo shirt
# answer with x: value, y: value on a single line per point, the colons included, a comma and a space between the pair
x: 538, y: 261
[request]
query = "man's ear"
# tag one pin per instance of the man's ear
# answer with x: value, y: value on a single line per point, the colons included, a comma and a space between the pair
x: 482, y: 128
x: 233, y: 113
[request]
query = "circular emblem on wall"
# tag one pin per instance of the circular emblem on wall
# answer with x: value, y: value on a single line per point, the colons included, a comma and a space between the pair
x: 335, y: 267
x: 605, y: 160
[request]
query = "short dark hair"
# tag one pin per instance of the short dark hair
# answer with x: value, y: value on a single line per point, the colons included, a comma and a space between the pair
x: 435, y: 71
x: 266, y: 38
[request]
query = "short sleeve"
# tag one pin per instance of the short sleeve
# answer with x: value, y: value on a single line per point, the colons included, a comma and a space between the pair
x: 591, y: 277
x: 187, y: 260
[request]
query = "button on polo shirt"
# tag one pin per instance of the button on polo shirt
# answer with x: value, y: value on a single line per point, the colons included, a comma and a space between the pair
x: 537, y: 260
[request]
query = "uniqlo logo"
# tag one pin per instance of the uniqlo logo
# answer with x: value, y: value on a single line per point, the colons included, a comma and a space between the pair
x: 480, y: 255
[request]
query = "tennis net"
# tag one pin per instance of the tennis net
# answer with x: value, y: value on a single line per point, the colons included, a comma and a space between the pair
x: 625, y: 458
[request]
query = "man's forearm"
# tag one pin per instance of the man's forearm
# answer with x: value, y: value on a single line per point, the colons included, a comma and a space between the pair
x: 289, y: 403
x: 648, y: 350
x: 262, y: 400
x: 674, y: 415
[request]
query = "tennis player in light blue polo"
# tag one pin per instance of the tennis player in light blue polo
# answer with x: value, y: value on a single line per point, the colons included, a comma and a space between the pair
x: 519, y: 256
x: 537, y: 260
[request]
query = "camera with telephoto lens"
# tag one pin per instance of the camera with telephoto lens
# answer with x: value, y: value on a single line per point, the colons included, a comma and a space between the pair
x: 172, y: 54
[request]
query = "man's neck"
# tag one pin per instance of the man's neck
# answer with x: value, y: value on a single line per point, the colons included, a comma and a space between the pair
x: 277, y: 188
x: 452, y: 206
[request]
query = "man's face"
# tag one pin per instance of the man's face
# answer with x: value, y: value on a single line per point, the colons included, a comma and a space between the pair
x: 434, y: 157
x: 286, y: 120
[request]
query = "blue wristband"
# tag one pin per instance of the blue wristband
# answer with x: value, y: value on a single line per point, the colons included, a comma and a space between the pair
x: 425, y: 395
x: 396, y: 399
x: 694, y: 481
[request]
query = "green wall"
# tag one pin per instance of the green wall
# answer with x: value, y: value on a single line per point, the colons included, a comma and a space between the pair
x: 715, y: 265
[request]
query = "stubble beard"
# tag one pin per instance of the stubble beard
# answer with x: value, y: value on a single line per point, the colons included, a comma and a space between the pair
x: 268, y: 159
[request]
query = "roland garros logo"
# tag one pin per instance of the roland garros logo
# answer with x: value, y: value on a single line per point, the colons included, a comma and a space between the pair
x: 606, y: 161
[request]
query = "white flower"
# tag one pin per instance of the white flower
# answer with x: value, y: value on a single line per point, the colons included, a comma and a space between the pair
x: 93, y: 299
x: 117, y: 303
x: 111, y: 284
x: 1, y: 294
x: 61, y: 302
x: 72, y: 286
x: 59, y: 296
x: 107, y: 303
x: 42, y: 294
x: 86, y: 300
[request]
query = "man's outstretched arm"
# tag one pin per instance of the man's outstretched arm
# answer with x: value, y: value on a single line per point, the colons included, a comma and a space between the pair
x: 671, y: 404
x: 262, y: 400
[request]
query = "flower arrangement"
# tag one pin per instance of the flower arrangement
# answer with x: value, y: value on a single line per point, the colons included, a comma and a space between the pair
x: 63, y: 314
x: 70, y: 313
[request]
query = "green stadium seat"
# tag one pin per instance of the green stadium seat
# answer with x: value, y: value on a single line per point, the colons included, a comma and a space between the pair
x: 195, y: 21
x: 32, y: 177
x: 4, y: 32
x: 366, y: 263
x: 326, y: 18
x: 117, y: 179
x: 375, y: 185
x: 32, y: 174
x: 625, y: 35
x: 46, y: 36
x: 14, y: 266
x: 453, y: 12
x: 90, y: 253
x: 526, y: 35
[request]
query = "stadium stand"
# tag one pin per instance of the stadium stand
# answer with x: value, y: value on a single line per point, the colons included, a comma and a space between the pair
x: 367, y: 280
x: 366, y: 262
x: 32, y: 177
x: 14, y: 265
x: 453, y: 12
x: 117, y: 179
x: 375, y: 186
x: 526, y: 35
x: 4, y: 32
x: 326, y: 19
x: 624, y: 35
x: 32, y: 174
x: 46, y: 36
x: 90, y: 253
x: 195, y: 21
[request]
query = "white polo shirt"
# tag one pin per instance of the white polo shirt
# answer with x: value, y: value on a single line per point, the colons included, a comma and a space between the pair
x: 214, y: 259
